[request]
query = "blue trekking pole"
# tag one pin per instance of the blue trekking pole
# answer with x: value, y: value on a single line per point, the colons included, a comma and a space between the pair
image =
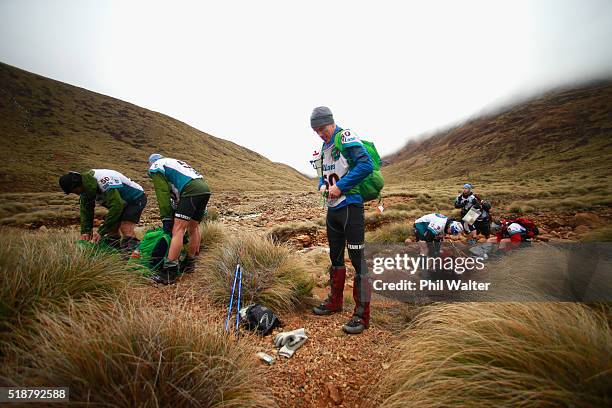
x: 231, y: 303
x: 239, y: 296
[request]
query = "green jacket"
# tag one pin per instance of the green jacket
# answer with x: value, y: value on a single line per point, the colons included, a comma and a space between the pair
x: 163, y: 193
x: 111, y: 200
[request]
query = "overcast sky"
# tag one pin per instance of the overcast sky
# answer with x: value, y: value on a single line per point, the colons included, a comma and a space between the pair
x: 251, y: 71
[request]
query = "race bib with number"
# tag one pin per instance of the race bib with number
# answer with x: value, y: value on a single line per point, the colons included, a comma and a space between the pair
x: 335, y: 166
x: 435, y: 222
x: 516, y: 228
x: 177, y: 173
x: 108, y: 179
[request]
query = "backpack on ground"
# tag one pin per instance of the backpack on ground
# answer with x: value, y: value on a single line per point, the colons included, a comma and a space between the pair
x: 259, y: 318
x: 153, y: 249
x: 371, y: 186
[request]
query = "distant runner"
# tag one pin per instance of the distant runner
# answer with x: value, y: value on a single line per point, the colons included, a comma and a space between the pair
x: 124, y: 199
x: 342, y: 172
x: 176, y: 181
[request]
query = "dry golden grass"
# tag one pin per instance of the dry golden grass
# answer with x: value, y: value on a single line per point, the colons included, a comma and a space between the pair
x: 212, y: 233
x: 43, y: 271
x: 393, y: 233
x: 272, y: 274
x: 134, y: 356
x: 502, y: 355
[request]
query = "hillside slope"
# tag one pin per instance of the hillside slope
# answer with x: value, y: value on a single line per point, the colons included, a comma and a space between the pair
x: 48, y: 127
x: 562, y: 132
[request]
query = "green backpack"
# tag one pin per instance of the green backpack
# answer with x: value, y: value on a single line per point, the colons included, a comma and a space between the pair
x: 153, y: 249
x: 371, y: 186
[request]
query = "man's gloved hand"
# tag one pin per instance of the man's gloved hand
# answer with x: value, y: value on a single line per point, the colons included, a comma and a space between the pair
x: 167, y: 225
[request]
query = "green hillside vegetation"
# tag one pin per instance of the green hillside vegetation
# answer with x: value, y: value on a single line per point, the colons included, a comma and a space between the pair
x: 562, y: 133
x: 50, y: 127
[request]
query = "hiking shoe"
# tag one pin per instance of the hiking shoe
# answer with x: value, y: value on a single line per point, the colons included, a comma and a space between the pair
x: 354, y: 326
x: 167, y: 275
x: 188, y: 265
x: 324, y: 309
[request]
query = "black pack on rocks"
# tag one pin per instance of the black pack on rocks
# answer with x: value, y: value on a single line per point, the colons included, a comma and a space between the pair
x: 259, y: 318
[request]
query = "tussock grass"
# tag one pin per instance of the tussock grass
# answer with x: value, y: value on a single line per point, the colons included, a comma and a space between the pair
x: 42, y: 271
x: 135, y: 356
x: 212, y: 214
x: 502, y: 355
x: 396, y: 232
x: 212, y: 233
x: 598, y: 235
x: 376, y: 217
x: 272, y: 274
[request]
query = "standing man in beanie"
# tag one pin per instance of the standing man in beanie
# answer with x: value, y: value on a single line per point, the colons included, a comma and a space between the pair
x: 345, y: 217
x: 175, y: 180
x: 124, y: 199
x: 467, y: 200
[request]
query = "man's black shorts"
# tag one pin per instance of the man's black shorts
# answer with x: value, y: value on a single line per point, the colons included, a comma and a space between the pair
x: 132, y: 211
x: 482, y: 226
x: 192, y: 208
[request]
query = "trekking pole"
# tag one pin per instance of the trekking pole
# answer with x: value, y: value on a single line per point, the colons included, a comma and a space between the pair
x: 239, y: 296
x: 231, y: 303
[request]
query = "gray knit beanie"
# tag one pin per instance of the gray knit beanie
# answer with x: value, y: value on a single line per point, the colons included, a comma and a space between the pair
x: 321, y: 116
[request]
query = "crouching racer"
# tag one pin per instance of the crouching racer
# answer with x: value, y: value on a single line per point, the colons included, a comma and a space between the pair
x: 174, y: 180
x: 124, y: 199
x: 429, y: 231
x: 343, y: 170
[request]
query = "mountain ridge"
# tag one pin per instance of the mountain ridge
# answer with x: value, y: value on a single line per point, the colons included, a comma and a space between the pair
x: 60, y: 127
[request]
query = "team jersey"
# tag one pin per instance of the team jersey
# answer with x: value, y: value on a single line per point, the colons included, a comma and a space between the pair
x: 111, y: 179
x: 433, y: 222
x: 176, y: 172
x: 335, y: 166
x: 515, y: 228
x: 466, y: 203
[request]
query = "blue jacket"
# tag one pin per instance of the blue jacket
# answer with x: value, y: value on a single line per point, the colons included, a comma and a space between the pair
x: 362, y: 169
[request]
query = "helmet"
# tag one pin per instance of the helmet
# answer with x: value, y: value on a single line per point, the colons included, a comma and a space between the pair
x: 70, y: 181
x: 468, y: 186
x: 155, y: 157
x: 456, y: 228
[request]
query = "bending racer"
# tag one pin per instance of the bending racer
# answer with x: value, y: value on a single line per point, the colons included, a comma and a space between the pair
x: 429, y: 231
x: 124, y: 199
x: 174, y: 180
x: 345, y: 163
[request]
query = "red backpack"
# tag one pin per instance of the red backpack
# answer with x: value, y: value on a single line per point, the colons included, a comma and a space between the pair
x: 531, y: 228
